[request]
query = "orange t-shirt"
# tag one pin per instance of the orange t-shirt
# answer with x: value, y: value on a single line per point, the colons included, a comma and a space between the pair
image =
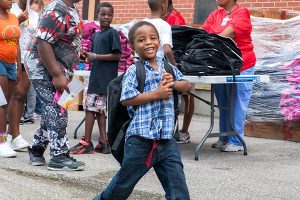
x: 9, y: 39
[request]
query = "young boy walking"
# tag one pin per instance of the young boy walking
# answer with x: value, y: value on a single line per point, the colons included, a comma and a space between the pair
x: 149, y: 141
x: 105, y: 56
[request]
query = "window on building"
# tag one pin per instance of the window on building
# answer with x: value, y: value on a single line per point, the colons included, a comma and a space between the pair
x: 89, y: 10
x: 202, y: 9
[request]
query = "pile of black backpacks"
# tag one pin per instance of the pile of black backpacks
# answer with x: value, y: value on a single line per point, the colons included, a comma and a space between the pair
x: 201, y: 54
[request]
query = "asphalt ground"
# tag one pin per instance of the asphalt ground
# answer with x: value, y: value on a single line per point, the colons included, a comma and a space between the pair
x: 271, y: 170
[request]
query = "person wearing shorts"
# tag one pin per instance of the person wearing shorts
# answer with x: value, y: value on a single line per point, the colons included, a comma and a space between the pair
x: 9, y: 42
x: 105, y: 56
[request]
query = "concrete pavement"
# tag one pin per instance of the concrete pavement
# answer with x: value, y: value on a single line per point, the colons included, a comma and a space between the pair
x: 270, y: 171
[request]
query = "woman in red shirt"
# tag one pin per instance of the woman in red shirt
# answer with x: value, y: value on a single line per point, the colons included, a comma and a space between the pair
x: 175, y: 18
x: 232, y: 20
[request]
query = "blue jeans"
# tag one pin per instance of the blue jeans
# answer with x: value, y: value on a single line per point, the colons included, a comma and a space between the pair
x: 242, y: 96
x: 166, y: 162
x: 9, y: 70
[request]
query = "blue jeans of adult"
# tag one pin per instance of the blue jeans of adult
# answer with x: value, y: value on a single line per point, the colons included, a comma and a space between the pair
x: 242, y: 95
x: 166, y: 162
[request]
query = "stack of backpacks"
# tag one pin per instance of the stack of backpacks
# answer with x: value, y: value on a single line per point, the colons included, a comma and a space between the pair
x: 203, y: 54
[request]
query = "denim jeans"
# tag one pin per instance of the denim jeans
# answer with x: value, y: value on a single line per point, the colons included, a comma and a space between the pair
x: 166, y: 162
x: 242, y: 96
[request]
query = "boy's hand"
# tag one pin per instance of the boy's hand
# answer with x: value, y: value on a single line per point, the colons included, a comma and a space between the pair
x: 60, y: 83
x: 82, y: 55
x: 168, y: 77
x: 164, y: 90
x: 23, y: 16
x: 89, y: 57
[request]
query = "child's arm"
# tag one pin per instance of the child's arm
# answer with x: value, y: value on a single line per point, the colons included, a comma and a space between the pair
x: 92, y: 57
x: 179, y: 85
x: 182, y: 86
x: 169, y: 53
x: 164, y: 91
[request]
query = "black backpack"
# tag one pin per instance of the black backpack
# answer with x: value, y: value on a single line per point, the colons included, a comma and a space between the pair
x: 211, y: 54
x: 118, y: 118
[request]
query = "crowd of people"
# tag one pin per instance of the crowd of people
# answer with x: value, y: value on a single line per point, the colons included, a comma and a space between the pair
x: 40, y: 47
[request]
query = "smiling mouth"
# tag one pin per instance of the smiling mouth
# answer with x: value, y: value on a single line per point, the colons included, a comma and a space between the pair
x: 150, y: 49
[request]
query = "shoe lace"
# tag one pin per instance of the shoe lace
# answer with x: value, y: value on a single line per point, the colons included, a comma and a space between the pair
x: 70, y: 157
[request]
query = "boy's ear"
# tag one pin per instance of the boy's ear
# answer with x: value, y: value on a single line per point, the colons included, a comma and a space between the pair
x: 132, y: 47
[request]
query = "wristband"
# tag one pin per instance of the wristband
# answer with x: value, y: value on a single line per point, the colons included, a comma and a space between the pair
x: 94, y: 56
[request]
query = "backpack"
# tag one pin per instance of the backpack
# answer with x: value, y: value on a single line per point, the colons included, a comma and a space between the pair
x: 211, y: 54
x: 118, y: 117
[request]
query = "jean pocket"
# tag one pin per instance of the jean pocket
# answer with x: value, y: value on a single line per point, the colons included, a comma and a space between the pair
x: 136, y: 140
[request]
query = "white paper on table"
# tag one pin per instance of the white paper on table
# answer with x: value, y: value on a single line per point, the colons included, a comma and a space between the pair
x: 75, y: 86
x: 2, y: 98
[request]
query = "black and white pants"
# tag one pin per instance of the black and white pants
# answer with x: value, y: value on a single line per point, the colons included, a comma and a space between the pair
x: 53, y: 126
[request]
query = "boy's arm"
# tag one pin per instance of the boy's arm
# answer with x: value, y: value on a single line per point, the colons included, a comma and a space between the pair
x: 179, y: 84
x: 92, y: 57
x: 164, y: 91
x: 182, y: 86
x: 49, y: 61
x: 169, y: 53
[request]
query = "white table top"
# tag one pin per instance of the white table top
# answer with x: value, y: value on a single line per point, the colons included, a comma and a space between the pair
x: 209, y: 79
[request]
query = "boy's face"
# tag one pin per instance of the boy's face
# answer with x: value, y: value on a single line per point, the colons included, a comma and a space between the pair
x: 106, y: 15
x: 146, y: 42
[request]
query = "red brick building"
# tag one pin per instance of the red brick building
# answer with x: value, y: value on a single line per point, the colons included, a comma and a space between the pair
x: 194, y: 11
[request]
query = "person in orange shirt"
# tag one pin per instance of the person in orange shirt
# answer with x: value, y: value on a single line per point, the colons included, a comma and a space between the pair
x: 9, y: 41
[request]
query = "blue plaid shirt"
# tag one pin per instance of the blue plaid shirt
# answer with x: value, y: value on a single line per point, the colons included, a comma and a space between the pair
x: 153, y: 120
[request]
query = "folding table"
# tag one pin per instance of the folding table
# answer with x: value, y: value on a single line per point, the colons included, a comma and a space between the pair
x: 213, y: 80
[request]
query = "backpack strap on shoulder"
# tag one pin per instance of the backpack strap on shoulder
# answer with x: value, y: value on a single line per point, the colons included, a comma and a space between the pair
x: 168, y: 68
x: 140, y: 75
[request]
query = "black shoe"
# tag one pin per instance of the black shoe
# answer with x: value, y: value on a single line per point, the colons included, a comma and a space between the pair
x: 26, y: 121
x: 102, y: 148
x: 36, y: 155
x: 65, y: 162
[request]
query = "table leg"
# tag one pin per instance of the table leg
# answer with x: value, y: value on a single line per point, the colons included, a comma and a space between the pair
x: 75, y: 132
x: 212, y: 117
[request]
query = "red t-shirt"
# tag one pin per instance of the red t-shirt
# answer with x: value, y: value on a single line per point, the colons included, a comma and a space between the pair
x: 239, y: 20
x: 175, y: 18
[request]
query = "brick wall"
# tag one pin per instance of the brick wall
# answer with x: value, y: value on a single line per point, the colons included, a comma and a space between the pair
x: 126, y: 10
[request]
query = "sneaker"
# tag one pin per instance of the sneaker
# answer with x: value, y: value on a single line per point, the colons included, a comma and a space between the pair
x: 218, y: 144
x: 232, y: 148
x: 6, y: 151
x: 36, y: 155
x: 19, y: 144
x: 102, y: 148
x: 83, y: 147
x: 26, y: 121
x: 36, y: 116
x: 65, y: 162
x: 184, y: 137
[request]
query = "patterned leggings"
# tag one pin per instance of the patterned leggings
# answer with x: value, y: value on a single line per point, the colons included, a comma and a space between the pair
x: 53, y: 127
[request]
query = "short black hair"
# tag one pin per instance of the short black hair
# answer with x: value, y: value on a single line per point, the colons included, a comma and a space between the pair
x: 105, y: 5
x: 154, y: 5
x: 137, y: 25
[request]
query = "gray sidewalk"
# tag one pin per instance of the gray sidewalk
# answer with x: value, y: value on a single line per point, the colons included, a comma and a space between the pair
x: 270, y: 171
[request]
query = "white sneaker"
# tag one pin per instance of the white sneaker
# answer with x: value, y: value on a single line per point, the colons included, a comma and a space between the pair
x: 218, y: 144
x: 184, y: 138
x: 232, y: 148
x: 19, y: 144
x: 6, y: 151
